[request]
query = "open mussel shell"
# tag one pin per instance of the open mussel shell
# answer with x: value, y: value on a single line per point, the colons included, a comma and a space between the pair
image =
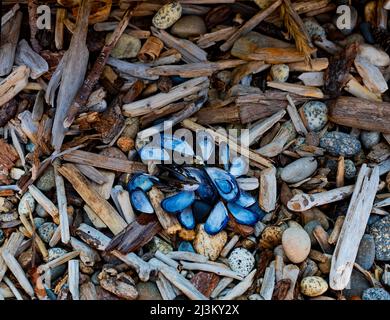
x: 200, y: 210
x: 186, y: 218
x: 178, y: 202
x: 255, y: 208
x: 140, y: 201
x: 243, y: 215
x: 245, y: 199
x: 142, y: 181
x: 224, y: 182
x: 217, y: 219
x: 205, y: 191
x: 239, y: 166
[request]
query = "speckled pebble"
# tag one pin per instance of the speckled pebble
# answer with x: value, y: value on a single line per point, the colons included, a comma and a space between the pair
x: 167, y: 15
x: 241, y: 261
x: 46, y: 231
x: 381, y: 232
x: 315, y: 114
x: 126, y: 47
x: 2, y: 237
x: 366, y: 253
x: 207, y: 245
x: 313, y: 286
x: 375, y: 294
x: 296, y: 244
x: 280, y: 72
x: 340, y: 144
x: 299, y: 170
x: 55, y: 253
x: 189, y: 26
x: 27, y: 203
x: 350, y: 169
x: 47, y: 180
x: 313, y: 28
x: 370, y: 138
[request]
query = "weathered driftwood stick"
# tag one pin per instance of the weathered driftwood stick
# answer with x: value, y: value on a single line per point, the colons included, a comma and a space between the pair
x: 131, y: 70
x: 59, y: 28
x: 218, y: 138
x: 299, y: 89
x: 33, y: 22
x: 178, y: 280
x: 168, y: 221
x: 29, y: 232
x: 12, y: 287
x: 17, y: 271
x: 141, y: 107
x: 291, y: 272
x: 93, y: 77
x: 360, y: 91
x: 334, y: 236
x: 69, y: 75
x: 189, y: 51
x: 315, y: 79
x: 99, y: 205
x: 229, y: 246
x: 168, y: 261
x: 279, y: 266
x: 74, y: 279
x: 10, y: 14
x: 88, y: 291
x: 303, y: 201
x: 13, y: 84
x: 295, y: 117
x: 25, y: 55
x: 88, y: 256
x: 209, y: 39
x: 9, y: 40
x: 165, y: 287
x: 45, y: 202
x: 122, y: 201
x: 99, y: 241
x: 224, y: 272
x: 322, y: 238
x: 92, y: 173
x: 12, y: 244
x: 62, y: 206
x: 353, y: 229
x: 360, y: 113
x: 222, y: 284
x: 57, y: 262
x: 316, y: 65
x: 240, y: 288
x: 100, y: 161
x: 250, y: 24
x: 268, y: 189
x: 268, y: 285
x: 187, y: 256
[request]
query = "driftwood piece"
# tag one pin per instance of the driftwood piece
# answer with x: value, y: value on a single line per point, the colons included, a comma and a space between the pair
x: 9, y: 40
x: 302, y: 202
x: 12, y: 244
x: 298, y: 89
x: 165, y: 287
x: 224, y: 272
x: 315, y: 79
x: 104, y: 162
x: 13, y: 84
x: 334, y: 236
x: 12, y: 287
x: 168, y: 261
x: 28, y: 231
x: 353, y: 227
x: 178, y: 280
x: 371, y: 75
x: 10, y: 14
x: 362, y: 114
x: 25, y: 55
x: 168, y: 221
x: 187, y: 256
x: 92, y: 173
x: 57, y: 262
x: 59, y: 28
x: 240, y: 288
x: 291, y: 273
x: 74, y: 279
x: 268, y: 189
x: 222, y: 284
x: 229, y: 246
x: 69, y: 75
x: 295, y: 117
x: 360, y: 91
x: 122, y: 201
x: 99, y: 205
x: 209, y: 39
x: 268, y: 285
x: 45, y: 202
x: 318, y: 64
x: 160, y: 100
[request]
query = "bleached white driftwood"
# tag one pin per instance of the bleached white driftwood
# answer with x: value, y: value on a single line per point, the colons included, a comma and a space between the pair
x: 62, y: 207
x: 25, y: 55
x: 12, y: 287
x: 88, y: 255
x: 122, y: 201
x: 11, y: 244
x: 170, y: 262
x: 165, y: 287
x: 74, y: 278
x: 295, y: 117
x: 45, y: 202
x: 353, y: 227
x: 187, y: 256
x: 225, y: 272
x: 240, y: 288
x: 229, y: 246
x: 268, y: 189
x: 290, y: 272
x: 268, y: 285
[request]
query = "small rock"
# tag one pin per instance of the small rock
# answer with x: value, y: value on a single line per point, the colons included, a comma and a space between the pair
x: 2, y: 237
x: 370, y: 138
x: 8, y: 217
x: 207, y: 245
x: 313, y: 286
x: 167, y: 15
x: 366, y: 253
x: 311, y: 268
x: 350, y: 169
x: 296, y: 244
x: 126, y: 47
x: 374, y: 55
x: 309, y: 227
x: 189, y: 26
x: 271, y: 237
x: 241, y: 261
x: 46, y: 231
x: 280, y: 72
x: 148, y: 291
x: 298, y: 170
x: 205, y: 282
x: 55, y: 253
x: 340, y: 144
x: 357, y: 285
x: 315, y: 115
x: 375, y: 294
x: 313, y: 28
x: 47, y: 180
x: 381, y: 232
x: 27, y: 203
x: 41, y: 211
x: 16, y: 173
x: 38, y: 222
x: 125, y: 144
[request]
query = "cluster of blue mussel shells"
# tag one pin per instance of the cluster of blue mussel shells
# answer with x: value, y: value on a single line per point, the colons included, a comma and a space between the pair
x: 207, y: 194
